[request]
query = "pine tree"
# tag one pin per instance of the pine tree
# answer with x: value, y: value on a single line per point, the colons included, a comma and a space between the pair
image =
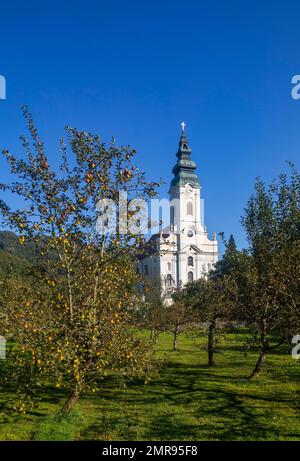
x: 231, y: 247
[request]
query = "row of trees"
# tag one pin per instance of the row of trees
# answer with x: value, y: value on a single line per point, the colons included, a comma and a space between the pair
x: 75, y: 317
x: 258, y: 288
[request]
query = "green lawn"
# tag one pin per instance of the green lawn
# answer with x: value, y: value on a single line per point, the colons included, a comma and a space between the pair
x: 186, y: 401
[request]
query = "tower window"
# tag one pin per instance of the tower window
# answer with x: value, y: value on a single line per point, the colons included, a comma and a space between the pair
x: 169, y: 266
x: 189, y: 208
x: 190, y: 277
x: 169, y: 280
x: 190, y: 261
x: 172, y: 215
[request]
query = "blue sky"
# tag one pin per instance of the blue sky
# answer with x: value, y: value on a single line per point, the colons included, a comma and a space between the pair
x: 136, y: 69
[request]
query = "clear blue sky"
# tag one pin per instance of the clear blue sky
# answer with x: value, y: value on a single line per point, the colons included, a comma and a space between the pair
x: 136, y: 69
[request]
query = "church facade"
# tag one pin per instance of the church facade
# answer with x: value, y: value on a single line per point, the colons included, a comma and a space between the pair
x: 182, y: 252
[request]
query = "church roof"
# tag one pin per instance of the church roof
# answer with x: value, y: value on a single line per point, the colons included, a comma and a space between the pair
x: 185, y: 169
x: 150, y: 246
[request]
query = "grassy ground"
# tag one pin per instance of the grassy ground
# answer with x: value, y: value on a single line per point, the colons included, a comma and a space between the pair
x: 187, y: 401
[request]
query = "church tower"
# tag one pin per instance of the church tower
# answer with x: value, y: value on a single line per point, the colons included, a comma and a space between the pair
x: 183, y: 251
x: 185, y: 189
x: 196, y: 253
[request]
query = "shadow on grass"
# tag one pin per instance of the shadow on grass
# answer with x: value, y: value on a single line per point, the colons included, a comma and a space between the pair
x: 193, y: 402
x: 190, y: 401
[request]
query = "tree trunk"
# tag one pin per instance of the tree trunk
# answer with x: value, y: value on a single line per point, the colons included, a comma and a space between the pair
x: 175, y: 340
x: 151, y: 333
x: 72, y: 399
x: 264, y: 347
x: 70, y: 293
x: 260, y: 361
x: 154, y: 335
x: 210, y: 342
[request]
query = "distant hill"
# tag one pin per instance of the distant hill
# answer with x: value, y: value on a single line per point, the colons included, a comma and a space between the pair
x: 14, y: 257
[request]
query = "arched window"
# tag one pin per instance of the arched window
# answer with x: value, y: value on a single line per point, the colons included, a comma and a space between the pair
x: 189, y: 208
x: 190, y: 261
x: 169, y: 280
x: 146, y: 272
x: 190, y: 277
x: 169, y: 267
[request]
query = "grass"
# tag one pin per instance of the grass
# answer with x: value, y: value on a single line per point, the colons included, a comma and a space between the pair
x: 60, y: 426
x: 186, y: 401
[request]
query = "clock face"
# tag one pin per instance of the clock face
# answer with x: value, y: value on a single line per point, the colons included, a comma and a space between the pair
x: 188, y: 190
x: 190, y: 233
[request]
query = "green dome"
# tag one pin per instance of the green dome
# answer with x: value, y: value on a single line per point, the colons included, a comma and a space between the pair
x: 185, y: 169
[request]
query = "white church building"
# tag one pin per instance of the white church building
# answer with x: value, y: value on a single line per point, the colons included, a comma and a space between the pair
x: 182, y: 252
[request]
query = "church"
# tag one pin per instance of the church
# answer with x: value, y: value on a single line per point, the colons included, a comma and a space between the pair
x: 182, y: 252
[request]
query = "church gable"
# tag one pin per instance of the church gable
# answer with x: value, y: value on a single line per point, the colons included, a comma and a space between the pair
x: 190, y: 248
